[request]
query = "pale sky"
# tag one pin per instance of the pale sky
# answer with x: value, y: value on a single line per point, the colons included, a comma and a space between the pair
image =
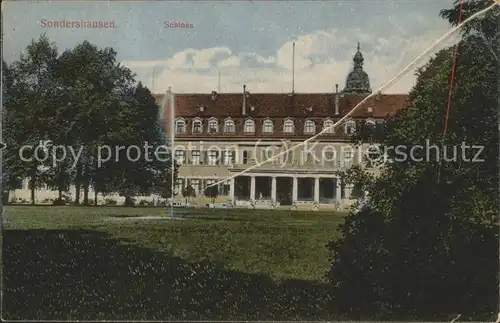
x: 249, y: 42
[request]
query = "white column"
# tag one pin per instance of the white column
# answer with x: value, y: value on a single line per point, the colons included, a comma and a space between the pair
x: 338, y: 194
x: 252, y: 188
x: 273, y: 189
x: 231, y: 190
x: 295, y: 190
x: 316, y: 189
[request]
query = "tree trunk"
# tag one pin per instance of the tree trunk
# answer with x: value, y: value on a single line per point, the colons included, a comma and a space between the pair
x: 128, y: 201
x: 5, y: 197
x: 32, y: 191
x: 86, y: 194
x: 95, y: 197
x: 60, y: 194
x: 86, y: 185
x: 78, y: 183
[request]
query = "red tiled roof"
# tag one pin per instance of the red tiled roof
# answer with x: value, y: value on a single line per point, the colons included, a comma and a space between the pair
x: 277, y: 107
x: 283, y: 105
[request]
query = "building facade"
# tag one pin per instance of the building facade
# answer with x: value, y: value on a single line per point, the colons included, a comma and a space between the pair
x: 225, y: 139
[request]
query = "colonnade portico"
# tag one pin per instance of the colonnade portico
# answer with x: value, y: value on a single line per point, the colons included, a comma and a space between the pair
x: 303, y: 189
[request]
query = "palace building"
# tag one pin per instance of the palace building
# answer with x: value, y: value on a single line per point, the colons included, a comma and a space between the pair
x: 220, y: 135
x: 224, y: 139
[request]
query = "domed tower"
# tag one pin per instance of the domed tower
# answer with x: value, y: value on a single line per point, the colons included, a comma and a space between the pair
x: 357, y: 81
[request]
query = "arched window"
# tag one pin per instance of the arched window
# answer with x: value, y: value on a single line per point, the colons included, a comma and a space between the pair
x: 268, y: 126
x: 229, y: 125
x: 213, y: 125
x: 350, y: 127
x: 197, y: 126
x: 328, y: 126
x: 249, y: 126
x: 370, y: 122
x: 288, y: 126
x: 309, y: 127
x: 180, y: 126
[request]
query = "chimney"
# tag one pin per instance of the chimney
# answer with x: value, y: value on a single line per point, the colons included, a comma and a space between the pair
x: 244, y: 110
x: 337, y: 103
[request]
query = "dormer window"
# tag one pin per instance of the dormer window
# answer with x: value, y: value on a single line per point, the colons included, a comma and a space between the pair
x: 309, y: 126
x: 249, y: 126
x: 288, y: 126
x: 213, y: 125
x: 268, y: 126
x: 229, y: 125
x: 197, y: 126
x: 180, y: 126
x: 328, y: 126
x: 350, y: 127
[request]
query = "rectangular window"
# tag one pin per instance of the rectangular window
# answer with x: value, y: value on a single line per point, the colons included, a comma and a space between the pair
x: 225, y: 189
x: 179, y: 157
x: 195, y: 183
x: 229, y: 157
x: 178, y: 186
x: 196, y: 157
x: 212, y: 127
x: 245, y: 157
x: 180, y: 126
x: 197, y: 127
x: 212, y: 157
x: 229, y: 127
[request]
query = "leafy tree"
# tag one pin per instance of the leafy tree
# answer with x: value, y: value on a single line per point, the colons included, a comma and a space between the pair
x: 188, y: 192
x: 212, y: 192
x: 425, y: 244
x: 109, y: 115
x: 12, y: 169
x: 485, y: 28
x: 91, y: 102
x: 144, y: 170
x: 28, y: 109
x: 82, y: 98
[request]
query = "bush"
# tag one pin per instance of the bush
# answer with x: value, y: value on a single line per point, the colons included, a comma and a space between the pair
x: 110, y: 201
x: 146, y: 203
x: 59, y: 202
x: 129, y: 201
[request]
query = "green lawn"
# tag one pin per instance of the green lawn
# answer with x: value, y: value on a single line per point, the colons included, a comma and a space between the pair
x: 282, y: 244
x: 101, y: 263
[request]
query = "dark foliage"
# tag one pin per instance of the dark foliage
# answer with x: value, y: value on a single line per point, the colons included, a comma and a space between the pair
x: 425, y: 245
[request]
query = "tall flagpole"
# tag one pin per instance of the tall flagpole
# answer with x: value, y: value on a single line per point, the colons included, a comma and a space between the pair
x: 293, y: 69
x: 172, y: 149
